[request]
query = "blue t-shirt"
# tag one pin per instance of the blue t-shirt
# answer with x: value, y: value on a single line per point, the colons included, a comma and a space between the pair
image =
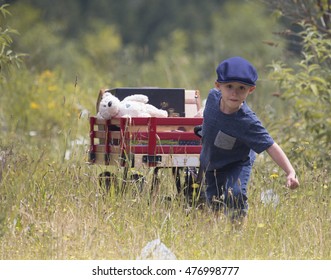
x: 230, y: 138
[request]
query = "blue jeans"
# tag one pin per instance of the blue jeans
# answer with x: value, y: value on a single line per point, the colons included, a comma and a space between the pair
x: 227, y: 187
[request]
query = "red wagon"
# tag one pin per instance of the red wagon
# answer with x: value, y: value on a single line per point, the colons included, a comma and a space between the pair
x: 142, y: 143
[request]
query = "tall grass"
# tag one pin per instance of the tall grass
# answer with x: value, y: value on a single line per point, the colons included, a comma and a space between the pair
x: 51, y: 205
x: 53, y: 208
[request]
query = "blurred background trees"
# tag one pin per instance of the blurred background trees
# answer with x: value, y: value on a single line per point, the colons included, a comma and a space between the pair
x: 76, y: 47
x: 108, y: 34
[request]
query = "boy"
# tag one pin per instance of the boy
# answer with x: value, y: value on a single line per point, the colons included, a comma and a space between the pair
x: 231, y: 135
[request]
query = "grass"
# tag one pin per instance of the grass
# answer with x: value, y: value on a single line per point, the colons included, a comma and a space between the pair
x: 52, y: 208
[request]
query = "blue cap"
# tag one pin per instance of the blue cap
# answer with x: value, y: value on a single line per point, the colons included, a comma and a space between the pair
x: 236, y: 69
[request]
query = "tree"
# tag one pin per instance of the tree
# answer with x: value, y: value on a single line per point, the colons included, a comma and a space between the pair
x: 292, y: 12
x: 314, y: 12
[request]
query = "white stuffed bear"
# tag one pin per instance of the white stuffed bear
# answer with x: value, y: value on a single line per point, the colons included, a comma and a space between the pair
x: 131, y: 106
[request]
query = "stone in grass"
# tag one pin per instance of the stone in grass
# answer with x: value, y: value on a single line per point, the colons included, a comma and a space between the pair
x: 156, y: 250
x: 270, y: 197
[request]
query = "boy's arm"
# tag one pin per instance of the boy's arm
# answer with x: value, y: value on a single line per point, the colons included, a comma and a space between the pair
x: 278, y: 155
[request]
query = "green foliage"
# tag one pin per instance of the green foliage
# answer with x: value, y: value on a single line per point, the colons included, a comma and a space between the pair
x: 293, y: 12
x: 39, y: 104
x: 43, y: 41
x: 314, y: 12
x: 307, y: 92
x: 8, y: 57
x: 102, y: 45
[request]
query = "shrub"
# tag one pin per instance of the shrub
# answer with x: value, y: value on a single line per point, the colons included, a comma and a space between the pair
x: 307, y: 92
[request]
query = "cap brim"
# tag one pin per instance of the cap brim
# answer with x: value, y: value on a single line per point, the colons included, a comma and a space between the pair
x: 238, y: 81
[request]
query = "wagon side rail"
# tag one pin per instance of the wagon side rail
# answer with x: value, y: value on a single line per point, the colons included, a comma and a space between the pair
x: 144, y: 141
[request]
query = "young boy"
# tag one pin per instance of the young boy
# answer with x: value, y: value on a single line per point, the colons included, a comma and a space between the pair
x: 231, y: 135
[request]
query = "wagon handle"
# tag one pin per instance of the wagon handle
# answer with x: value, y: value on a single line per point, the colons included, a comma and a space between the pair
x: 198, y: 130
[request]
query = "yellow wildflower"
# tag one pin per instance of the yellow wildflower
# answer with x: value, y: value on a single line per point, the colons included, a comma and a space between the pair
x: 274, y: 176
x: 34, y: 105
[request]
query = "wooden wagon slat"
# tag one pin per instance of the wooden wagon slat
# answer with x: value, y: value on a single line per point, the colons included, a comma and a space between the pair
x: 166, y: 149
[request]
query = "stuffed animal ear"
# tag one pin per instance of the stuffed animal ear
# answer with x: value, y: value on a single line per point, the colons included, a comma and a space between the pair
x: 102, y: 93
x: 106, y: 93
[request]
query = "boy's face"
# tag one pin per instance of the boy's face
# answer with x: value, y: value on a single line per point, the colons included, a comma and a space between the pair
x: 233, y: 95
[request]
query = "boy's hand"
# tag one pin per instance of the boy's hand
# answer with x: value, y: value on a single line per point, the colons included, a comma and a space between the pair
x: 278, y: 155
x: 292, y: 181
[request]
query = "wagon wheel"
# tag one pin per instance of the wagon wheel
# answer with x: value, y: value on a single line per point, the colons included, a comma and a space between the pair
x: 155, y: 189
x: 155, y: 179
x: 136, y: 181
x: 108, y: 182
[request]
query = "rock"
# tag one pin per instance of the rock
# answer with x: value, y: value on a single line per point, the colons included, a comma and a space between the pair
x: 156, y: 250
x: 269, y: 197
